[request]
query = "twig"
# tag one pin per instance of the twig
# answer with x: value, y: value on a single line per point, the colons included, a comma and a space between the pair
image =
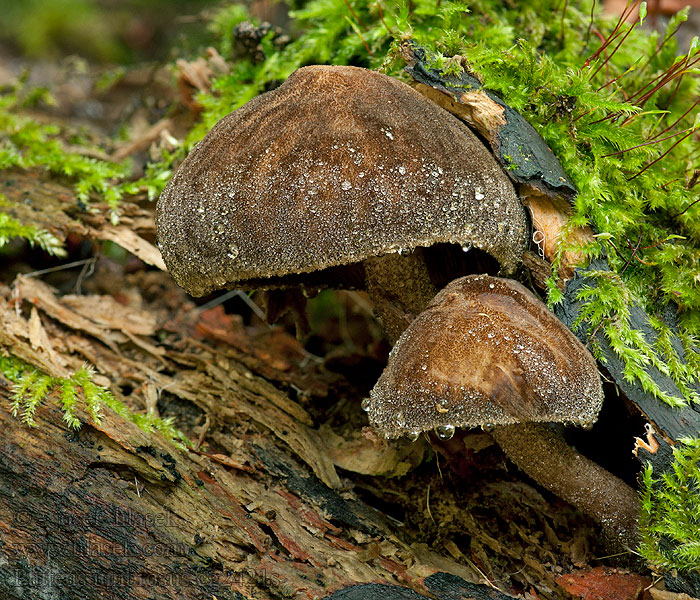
x: 381, y: 18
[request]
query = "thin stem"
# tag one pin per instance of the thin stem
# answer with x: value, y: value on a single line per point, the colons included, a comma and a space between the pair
x: 665, y: 185
x: 615, y: 33
x: 677, y: 70
x: 658, y: 49
x: 381, y: 18
x: 678, y: 119
x: 590, y: 23
x: 607, y: 59
x: 400, y: 288
x: 354, y: 14
x: 563, y: 14
x: 653, y: 162
x: 77, y: 263
x: 648, y: 143
x: 614, y: 79
x: 685, y: 209
x: 356, y: 29
x: 634, y: 252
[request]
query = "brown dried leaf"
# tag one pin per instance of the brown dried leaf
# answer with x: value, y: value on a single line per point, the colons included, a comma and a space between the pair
x: 604, y: 583
x: 372, y: 457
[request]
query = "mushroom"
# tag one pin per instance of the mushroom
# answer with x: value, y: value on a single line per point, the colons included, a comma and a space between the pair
x: 487, y: 353
x: 340, y: 177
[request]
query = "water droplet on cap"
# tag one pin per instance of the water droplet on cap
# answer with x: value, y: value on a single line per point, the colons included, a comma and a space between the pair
x: 366, y: 404
x: 413, y: 435
x: 445, y: 432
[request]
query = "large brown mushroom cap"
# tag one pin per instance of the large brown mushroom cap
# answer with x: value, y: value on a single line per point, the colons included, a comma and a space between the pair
x: 336, y: 165
x: 485, y: 352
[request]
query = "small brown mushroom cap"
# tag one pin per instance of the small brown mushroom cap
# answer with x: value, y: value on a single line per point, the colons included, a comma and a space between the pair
x: 485, y: 352
x: 336, y: 165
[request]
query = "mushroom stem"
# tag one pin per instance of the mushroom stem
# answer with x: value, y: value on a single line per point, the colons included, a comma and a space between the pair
x: 555, y: 465
x: 400, y: 287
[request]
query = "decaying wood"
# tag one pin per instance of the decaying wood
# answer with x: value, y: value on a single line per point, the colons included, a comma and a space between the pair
x: 550, y: 216
x: 260, y: 509
x: 522, y: 152
x: 126, y: 513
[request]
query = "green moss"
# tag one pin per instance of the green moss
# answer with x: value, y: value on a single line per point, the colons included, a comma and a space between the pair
x: 28, y: 144
x: 31, y: 387
x: 669, y: 523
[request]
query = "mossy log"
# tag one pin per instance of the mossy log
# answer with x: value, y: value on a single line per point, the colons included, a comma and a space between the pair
x: 673, y: 423
x: 111, y: 511
x: 547, y: 191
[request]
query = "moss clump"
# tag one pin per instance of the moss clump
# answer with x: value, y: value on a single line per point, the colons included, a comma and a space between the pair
x: 669, y: 523
x: 28, y: 144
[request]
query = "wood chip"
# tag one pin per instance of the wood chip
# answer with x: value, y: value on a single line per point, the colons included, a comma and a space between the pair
x: 43, y: 297
x: 106, y: 312
x: 131, y: 241
x: 39, y: 339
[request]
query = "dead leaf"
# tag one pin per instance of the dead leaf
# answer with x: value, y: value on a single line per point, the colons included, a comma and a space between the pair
x: 604, y: 583
x: 43, y: 297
